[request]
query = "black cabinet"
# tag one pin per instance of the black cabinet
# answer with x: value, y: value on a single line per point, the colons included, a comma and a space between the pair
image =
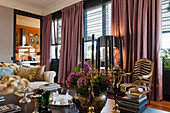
x: 166, y: 84
x: 54, y: 67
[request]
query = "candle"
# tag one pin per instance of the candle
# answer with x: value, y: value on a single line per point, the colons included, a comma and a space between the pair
x: 98, y: 53
x: 113, y: 43
x: 105, y: 53
x: 110, y: 51
x: 92, y: 57
x: 121, y: 52
x: 82, y: 53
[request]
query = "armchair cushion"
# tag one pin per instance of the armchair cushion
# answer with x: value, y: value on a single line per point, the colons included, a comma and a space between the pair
x: 49, y: 76
x: 125, y: 87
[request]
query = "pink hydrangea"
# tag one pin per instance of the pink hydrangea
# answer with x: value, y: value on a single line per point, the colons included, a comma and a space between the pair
x: 82, y: 82
x: 86, y: 66
x: 78, y: 75
x: 106, y: 81
x: 71, y: 76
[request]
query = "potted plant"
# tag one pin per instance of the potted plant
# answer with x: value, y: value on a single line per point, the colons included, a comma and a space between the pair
x: 81, y: 85
x: 165, y: 55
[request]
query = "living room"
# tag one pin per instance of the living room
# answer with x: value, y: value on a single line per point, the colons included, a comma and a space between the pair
x: 105, y: 51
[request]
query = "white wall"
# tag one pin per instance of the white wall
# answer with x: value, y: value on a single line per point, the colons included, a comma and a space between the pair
x: 6, y: 34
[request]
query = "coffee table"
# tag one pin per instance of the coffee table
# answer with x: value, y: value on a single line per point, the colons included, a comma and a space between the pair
x: 30, y: 107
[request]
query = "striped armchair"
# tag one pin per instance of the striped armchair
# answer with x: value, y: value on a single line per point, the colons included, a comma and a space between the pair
x: 142, y: 73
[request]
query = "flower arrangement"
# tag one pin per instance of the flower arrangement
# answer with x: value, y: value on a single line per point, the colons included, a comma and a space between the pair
x: 80, y: 84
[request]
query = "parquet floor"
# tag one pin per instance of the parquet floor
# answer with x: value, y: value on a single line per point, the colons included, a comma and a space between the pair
x: 163, y: 105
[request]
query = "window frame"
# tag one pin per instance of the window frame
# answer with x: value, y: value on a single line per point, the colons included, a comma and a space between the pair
x: 55, y: 37
x: 104, y: 18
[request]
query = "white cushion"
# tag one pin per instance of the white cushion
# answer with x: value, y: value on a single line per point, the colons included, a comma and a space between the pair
x: 36, y: 84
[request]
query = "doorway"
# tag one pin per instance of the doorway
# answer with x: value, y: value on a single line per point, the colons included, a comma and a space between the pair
x: 27, y: 38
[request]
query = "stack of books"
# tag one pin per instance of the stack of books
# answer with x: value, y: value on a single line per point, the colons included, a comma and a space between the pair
x: 9, y: 108
x: 50, y: 86
x: 133, y: 103
x: 2, y: 99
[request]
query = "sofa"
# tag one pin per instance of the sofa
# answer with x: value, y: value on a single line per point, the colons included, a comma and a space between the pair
x: 49, y: 78
x: 15, y: 70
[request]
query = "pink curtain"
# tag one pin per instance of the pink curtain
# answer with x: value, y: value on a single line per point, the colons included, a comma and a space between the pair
x: 46, y: 42
x: 138, y: 22
x: 71, y: 33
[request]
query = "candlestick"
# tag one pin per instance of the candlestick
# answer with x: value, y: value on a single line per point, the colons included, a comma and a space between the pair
x: 113, y: 43
x: 98, y: 53
x: 110, y: 51
x: 82, y: 53
x: 92, y: 57
x: 106, y: 53
x: 121, y: 52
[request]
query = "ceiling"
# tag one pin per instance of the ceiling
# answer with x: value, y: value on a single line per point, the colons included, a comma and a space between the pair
x: 39, y: 3
x: 40, y: 7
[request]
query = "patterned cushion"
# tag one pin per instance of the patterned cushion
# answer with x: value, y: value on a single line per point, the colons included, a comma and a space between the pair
x: 28, y: 73
x: 6, y: 71
x: 40, y: 74
x: 13, y: 65
x: 125, y: 87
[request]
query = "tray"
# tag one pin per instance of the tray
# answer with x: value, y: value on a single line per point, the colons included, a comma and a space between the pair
x: 61, y: 101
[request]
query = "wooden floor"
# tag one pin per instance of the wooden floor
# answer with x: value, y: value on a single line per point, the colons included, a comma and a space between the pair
x: 163, y: 105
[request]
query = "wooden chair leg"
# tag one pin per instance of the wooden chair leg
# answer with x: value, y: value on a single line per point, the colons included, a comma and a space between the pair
x: 149, y: 97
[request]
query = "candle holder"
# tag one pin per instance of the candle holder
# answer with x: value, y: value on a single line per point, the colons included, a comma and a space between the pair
x: 94, y: 74
x: 115, y: 87
x: 25, y: 99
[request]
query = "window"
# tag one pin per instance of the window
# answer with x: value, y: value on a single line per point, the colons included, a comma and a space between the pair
x: 97, y: 21
x: 165, y: 24
x: 56, y: 38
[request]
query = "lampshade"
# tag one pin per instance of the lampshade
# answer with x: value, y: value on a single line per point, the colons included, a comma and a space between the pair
x: 102, y: 41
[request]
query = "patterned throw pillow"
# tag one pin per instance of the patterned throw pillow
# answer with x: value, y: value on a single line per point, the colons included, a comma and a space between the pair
x: 40, y: 73
x: 6, y: 71
x: 28, y: 73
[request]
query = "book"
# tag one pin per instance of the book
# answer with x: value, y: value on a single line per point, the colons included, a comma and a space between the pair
x: 135, y: 104
x: 2, y: 100
x: 2, y: 97
x: 127, y: 110
x: 9, y: 108
x: 50, y: 86
x: 22, y: 94
x: 135, y: 95
x: 129, y: 99
x: 131, y: 105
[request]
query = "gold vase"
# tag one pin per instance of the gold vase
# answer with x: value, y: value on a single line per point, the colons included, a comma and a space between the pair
x: 82, y: 103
